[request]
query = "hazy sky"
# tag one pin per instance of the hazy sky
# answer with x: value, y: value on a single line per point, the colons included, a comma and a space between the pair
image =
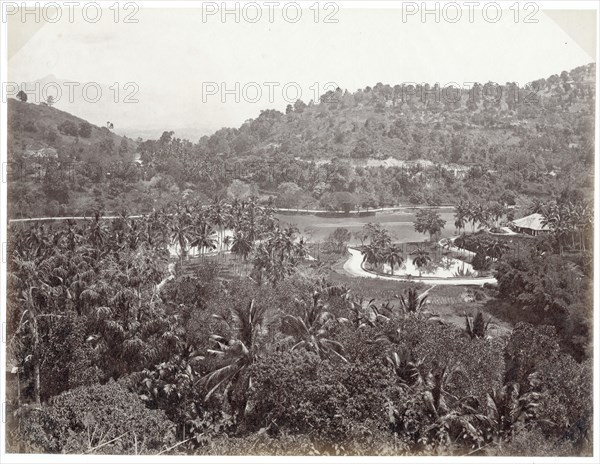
x: 170, y: 54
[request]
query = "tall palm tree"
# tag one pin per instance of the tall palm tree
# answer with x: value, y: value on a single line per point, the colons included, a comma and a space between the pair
x: 31, y: 279
x: 393, y: 257
x: 218, y: 216
x: 536, y: 206
x: 182, y: 235
x: 460, y: 215
x: 241, y: 245
x: 554, y: 217
x: 203, y: 237
x: 237, y: 351
x: 381, y: 239
x: 97, y: 234
x: 73, y: 235
x: 496, y: 210
x: 482, y: 214
x: 371, y: 255
x: 421, y: 258
x: 471, y: 214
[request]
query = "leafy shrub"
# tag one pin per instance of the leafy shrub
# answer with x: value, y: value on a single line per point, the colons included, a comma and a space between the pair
x: 330, y: 402
x: 68, y: 128
x: 103, y: 418
x: 553, y: 292
x: 85, y: 129
x: 567, y: 385
x: 51, y: 135
x: 481, y: 262
x: 30, y: 126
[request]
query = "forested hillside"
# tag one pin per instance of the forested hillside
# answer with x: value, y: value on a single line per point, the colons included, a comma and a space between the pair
x: 379, y: 146
x: 489, y: 122
x: 57, y: 156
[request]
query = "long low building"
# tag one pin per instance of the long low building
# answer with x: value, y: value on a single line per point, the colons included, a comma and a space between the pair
x: 532, y: 224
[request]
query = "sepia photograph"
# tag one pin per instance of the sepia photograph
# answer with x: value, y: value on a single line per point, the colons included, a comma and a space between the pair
x: 296, y: 231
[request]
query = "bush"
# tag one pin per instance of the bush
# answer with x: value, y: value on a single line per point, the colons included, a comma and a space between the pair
x: 481, y: 262
x: 51, y: 135
x: 30, y: 127
x: 85, y: 129
x: 68, y: 128
x: 567, y: 384
x: 329, y: 402
x: 107, y: 419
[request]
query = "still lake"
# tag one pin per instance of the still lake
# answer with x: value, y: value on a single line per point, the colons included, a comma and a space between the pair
x: 400, y: 225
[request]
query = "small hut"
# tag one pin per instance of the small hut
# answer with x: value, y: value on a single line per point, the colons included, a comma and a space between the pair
x: 531, y: 225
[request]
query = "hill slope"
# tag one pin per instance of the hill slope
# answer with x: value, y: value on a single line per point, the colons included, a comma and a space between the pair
x: 58, y: 159
x: 33, y: 127
x: 428, y: 122
x: 379, y: 146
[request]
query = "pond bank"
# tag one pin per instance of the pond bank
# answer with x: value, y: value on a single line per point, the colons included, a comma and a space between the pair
x: 353, y: 267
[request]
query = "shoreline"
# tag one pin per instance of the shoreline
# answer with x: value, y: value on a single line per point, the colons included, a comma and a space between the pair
x: 283, y: 211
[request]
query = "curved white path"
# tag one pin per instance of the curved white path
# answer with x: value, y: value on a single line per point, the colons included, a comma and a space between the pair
x: 353, y: 266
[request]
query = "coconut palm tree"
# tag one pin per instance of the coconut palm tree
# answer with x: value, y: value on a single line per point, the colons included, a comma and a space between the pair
x: 182, y: 234
x: 583, y: 219
x: 73, y: 235
x: 277, y: 255
x: 371, y: 255
x: 482, y: 214
x: 241, y: 245
x: 470, y: 214
x: 218, y: 216
x: 310, y: 329
x: 536, y: 206
x: 203, y: 237
x: 496, y: 211
x: 421, y: 258
x: 32, y: 283
x: 237, y: 352
x: 381, y: 239
x: 97, y: 234
x: 554, y: 217
x: 393, y: 257
x: 460, y: 215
